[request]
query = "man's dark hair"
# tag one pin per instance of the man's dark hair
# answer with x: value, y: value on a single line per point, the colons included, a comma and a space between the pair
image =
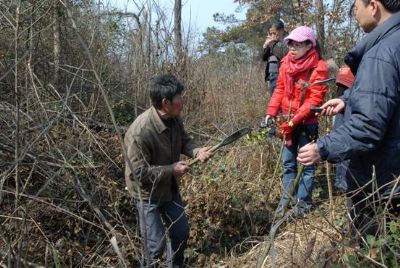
x: 390, y: 5
x: 164, y: 86
x: 278, y: 25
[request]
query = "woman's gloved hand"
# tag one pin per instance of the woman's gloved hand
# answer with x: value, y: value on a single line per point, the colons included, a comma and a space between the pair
x: 269, y: 121
x: 287, y: 127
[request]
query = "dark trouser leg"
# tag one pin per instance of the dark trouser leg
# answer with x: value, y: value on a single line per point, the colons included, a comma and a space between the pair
x: 340, y: 176
x: 363, y: 214
x: 272, y: 83
x: 151, y: 229
x: 341, y: 168
x: 178, y: 228
x: 273, y: 77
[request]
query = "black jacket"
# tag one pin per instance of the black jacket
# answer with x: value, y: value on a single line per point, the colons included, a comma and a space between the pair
x: 370, y: 134
x: 277, y: 49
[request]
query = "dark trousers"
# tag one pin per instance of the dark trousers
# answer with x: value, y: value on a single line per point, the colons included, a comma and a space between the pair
x: 362, y: 212
x: 273, y: 77
x: 341, y: 167
x: 158, y: 219
x: 366, y: 212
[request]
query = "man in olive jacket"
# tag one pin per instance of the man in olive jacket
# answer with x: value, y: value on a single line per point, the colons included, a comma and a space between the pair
x: 154, y: 142
x: 370, y: 134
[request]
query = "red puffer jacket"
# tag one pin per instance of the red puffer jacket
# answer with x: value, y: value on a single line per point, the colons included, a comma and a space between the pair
x: 314, y: 95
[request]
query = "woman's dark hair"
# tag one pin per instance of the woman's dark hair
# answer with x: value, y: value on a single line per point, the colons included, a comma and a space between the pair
x: 164, y: 87
x: 317, y: 47
x: 278, y: 25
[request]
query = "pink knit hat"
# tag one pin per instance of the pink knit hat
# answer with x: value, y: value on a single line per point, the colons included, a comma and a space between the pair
x: 301, y: 34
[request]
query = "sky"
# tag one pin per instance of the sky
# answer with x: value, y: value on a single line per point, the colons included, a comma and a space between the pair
x: 200, y: 12
x: 196, y: 13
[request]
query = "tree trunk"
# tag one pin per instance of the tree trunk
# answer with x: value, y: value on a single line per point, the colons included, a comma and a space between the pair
x: 320, y: 22
x: 178, y: 30
x: 17, y: 106
x: 56, y: 44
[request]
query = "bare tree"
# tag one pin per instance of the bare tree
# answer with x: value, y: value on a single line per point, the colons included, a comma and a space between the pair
x: 320, y: 23
x: 56, y: 43
x: 178, y: 30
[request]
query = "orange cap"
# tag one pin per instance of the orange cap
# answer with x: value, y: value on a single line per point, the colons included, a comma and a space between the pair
x: 345, y: 77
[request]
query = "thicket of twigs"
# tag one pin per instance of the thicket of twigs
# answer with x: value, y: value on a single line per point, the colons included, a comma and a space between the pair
x: 68, y: 68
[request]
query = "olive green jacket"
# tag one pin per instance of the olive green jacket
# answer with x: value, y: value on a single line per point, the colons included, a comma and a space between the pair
x: 152, y: 149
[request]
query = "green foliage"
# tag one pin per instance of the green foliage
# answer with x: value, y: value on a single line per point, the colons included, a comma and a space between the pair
x: 384, y: 249
x: 124, y: 112
x: 335, y: 29
x: 351, y: 260
x: 56, y: 258
x: 212, y: 40
x: 226, y: 19
x: 258, y: 137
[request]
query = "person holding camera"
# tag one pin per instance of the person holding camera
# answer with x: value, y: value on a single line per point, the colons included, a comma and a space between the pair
x: 274, y: 49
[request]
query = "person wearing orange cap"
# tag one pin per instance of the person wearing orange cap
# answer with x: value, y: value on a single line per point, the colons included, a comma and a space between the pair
x: 344, y: 81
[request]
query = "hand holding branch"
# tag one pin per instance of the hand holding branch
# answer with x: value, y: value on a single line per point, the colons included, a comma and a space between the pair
x: 309, y: 154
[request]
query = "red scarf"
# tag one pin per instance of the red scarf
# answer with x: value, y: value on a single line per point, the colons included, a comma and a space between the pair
x: 294, y: 67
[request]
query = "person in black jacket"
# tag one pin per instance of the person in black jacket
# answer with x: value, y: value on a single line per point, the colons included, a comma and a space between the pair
x: 274, y: 51
x: 370, y: 135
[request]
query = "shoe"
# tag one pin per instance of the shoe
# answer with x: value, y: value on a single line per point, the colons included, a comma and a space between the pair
x: 279, y: 211
x: 301, y: 209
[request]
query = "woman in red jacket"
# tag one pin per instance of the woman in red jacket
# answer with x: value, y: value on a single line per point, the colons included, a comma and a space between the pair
x: 296, y: 92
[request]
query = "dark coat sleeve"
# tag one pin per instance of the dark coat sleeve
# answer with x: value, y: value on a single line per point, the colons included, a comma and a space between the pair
x: 266, y: 53
x: 369, y: 109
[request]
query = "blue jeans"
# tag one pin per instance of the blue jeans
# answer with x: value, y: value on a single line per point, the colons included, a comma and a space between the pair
x: 303, y: 191
x: 159, y: 217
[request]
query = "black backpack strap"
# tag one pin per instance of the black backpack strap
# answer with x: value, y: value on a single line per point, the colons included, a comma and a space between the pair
x: 305, y: 86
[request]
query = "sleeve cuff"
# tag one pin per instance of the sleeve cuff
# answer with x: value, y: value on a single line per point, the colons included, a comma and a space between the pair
x: 168, y: 171
x: 195, y: 151
x: 322, y: 150
x: 345, y: 95
x: 297, y: 119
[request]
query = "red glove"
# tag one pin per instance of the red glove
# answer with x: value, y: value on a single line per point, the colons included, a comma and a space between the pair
x: 297, y: 119
x: 287, y: 128
x: 288, y: 140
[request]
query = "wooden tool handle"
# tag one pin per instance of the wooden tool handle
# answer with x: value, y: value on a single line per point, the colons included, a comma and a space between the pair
x: 212, y: 149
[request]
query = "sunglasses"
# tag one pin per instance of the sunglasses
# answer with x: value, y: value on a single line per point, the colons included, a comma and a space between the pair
x: 296, y: 45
